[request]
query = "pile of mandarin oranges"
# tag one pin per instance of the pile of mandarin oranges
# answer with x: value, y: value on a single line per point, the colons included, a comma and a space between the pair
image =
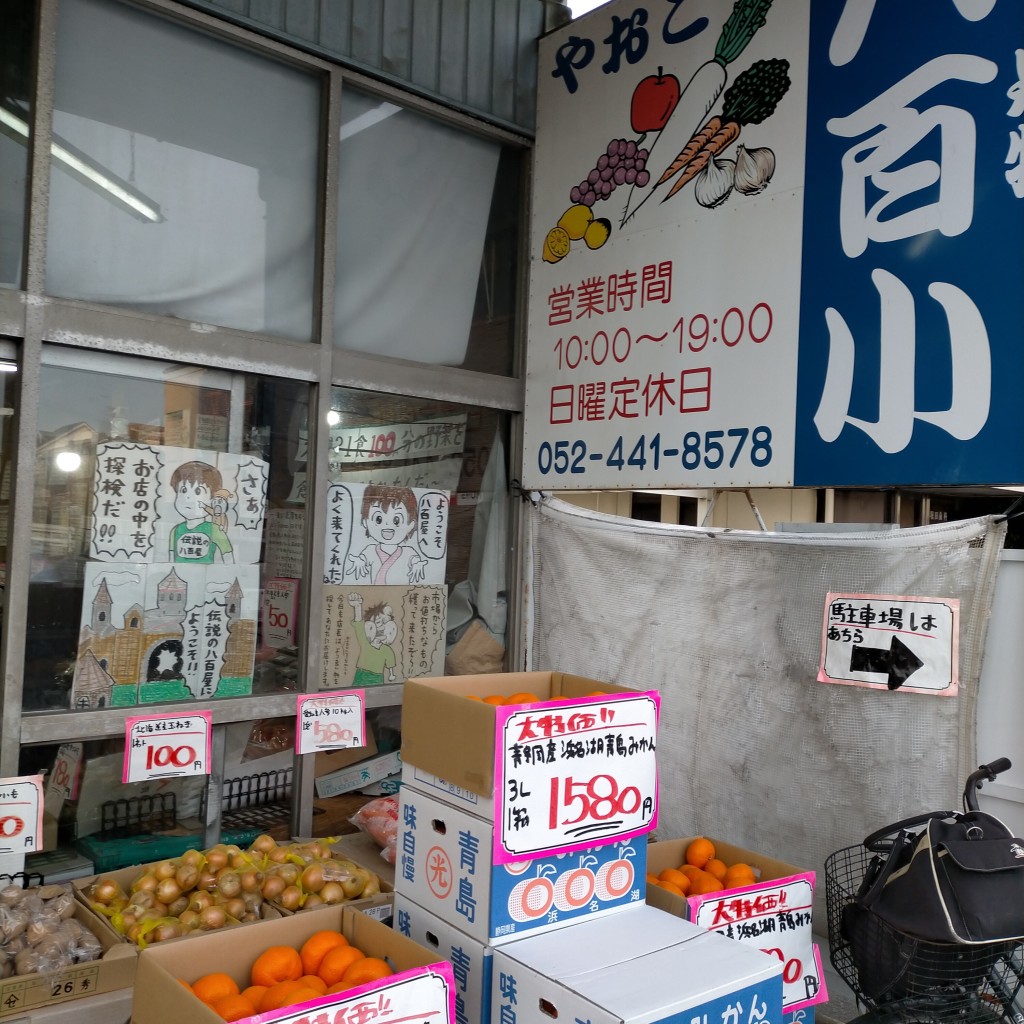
x: 524, y: 697
x: 702, y: 873
x: 282, y: 976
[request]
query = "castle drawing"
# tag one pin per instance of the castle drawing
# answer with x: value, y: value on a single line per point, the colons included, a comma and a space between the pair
x: 148, y: 647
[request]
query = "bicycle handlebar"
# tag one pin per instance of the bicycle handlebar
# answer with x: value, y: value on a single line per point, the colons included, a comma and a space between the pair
x: 985, y: 773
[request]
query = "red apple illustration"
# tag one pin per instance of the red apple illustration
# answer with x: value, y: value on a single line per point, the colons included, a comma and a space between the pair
x: 654, y: 99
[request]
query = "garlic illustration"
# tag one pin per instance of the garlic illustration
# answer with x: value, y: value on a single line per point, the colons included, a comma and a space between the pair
x: 713, y: 184
x: 754, y: 169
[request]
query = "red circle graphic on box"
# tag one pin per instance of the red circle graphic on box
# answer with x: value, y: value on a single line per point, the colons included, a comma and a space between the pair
x: 439, y: 872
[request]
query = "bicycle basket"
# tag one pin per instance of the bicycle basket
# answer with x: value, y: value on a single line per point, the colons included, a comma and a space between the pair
x: 883, y: 965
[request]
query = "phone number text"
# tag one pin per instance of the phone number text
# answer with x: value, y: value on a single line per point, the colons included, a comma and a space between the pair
x: 710, y: 449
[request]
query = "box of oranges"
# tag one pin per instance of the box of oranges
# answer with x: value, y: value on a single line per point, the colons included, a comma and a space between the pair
x: 743, y: 895
x: 334, y: 963
x: 436, y: 709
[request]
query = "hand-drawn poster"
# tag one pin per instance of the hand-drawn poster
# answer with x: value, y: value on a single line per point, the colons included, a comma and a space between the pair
x: 171, y: 593
x: 379, y: 636
x: 159, y: 504
x: 382, y: 535
x: 163, y: 632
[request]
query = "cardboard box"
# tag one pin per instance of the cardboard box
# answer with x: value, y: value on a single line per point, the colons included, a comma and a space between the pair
x: 637, y: 967
x: 355, y: 777
x: 160, y: 999
x: 363, y: 849
x: 23, y: 994
x: 327, y: 762
x: 774, y: 913
x: 470, y: 959
x: 387, y: 786
x: 442, y: 789
x: 445, y: 865
x: 435, y: 710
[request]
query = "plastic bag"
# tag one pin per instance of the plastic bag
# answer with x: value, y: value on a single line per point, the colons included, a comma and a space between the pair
x: 379, y: 820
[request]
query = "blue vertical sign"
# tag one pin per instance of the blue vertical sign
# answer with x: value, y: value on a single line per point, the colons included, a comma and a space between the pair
x: 911, y: 355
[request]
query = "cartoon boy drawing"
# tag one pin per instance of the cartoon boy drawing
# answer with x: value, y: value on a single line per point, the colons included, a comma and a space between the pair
x: 198, y: 539
x: 375, y: 634
x: 389, y: 518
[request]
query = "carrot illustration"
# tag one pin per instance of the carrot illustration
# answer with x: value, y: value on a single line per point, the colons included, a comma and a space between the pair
x: 749, y: 100
x: 702, y: 91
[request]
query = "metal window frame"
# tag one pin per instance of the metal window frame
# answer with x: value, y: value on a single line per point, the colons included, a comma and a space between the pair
x: 36, y: 322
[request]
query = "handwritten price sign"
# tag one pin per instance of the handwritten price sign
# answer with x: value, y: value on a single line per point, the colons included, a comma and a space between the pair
x: 167, y: 746
x: 330, y: 721
x: 774, y: 917
x: 21, y: 814
x: 575, y: 774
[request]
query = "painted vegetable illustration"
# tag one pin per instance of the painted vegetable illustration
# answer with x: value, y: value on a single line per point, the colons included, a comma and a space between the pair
x: 702, y: 91
x: 752, y: 98
x: 654, y: 99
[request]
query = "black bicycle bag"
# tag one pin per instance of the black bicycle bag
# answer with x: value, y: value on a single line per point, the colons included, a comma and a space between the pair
x: 958, y: 881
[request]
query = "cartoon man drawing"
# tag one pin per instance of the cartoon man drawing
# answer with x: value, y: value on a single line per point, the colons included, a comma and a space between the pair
x: 375, y: 634
x: 389, y: 518
x: 198, y: 538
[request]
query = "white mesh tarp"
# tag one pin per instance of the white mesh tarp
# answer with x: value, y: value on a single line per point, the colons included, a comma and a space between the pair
x: 727, y: 625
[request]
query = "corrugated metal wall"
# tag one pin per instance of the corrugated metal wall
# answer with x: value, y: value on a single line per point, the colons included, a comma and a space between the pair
x: 479, y: 56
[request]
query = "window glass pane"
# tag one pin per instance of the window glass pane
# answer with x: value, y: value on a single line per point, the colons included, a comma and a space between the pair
x: 417, y: 539
x: 15, y: 116
x: 154, y: 544
x: 193, y: 191
x: 427, y: 230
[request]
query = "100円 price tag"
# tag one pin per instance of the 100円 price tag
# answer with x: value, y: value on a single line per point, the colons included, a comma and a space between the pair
x: 167, y: 746
x: 21, y: 814
x: 576, y: 774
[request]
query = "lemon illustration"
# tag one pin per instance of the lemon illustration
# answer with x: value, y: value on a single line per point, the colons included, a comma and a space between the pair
x: 556, y: 245
x: 597, y: 232
x: 575, y: 220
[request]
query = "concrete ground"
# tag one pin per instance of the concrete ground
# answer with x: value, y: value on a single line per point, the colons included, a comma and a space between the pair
x: 841, y: 1005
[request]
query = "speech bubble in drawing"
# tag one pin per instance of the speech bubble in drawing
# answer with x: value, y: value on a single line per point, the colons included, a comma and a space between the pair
x: 424, y: 615
x: 251, y: 493
x: 125, y: 495
x: 338, y: 536
x: 432, y: 524
x: 203, y: 645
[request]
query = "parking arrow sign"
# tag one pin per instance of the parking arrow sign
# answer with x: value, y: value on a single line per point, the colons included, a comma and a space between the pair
x: 891, y: 642
x: 899, y: 662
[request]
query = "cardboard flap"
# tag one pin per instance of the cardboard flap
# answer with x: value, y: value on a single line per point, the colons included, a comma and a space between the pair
x: 453, y: 737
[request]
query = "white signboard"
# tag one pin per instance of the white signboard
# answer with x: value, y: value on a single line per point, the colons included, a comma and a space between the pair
x: 664, y: 286
x: 574, y: 775
x: 21, y: 814
x: 330, y: 721
x: 167, y: 746
x: 895, y: 643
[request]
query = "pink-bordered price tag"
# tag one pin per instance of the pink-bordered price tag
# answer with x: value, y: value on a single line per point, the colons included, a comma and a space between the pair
x: 21, y: 814
x: 330, y: 721
x: 775, y: 917
x: 167, y: 746
x: 574, y: 774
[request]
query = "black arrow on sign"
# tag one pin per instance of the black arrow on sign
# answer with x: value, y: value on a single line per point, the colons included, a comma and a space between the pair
x: 899, y: 663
